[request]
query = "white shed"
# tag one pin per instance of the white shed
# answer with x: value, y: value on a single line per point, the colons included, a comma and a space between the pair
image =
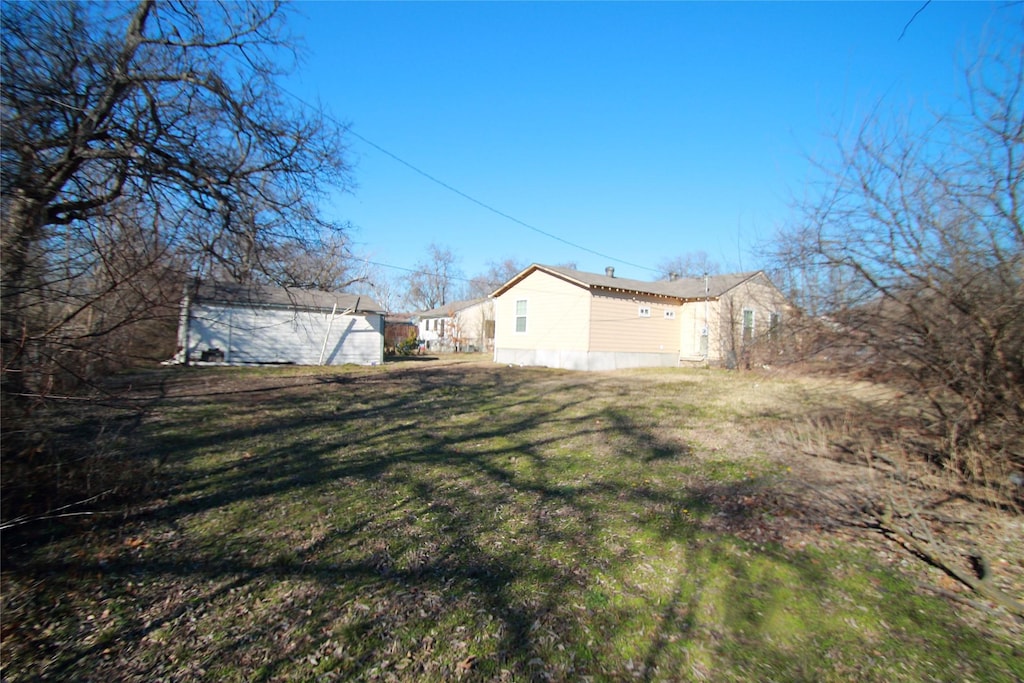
x: 258, y: 324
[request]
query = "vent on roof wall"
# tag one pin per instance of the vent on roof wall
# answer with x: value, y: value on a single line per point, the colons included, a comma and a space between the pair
x: 609, y: 271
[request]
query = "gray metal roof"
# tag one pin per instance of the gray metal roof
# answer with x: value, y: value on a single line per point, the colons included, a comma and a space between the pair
x: 683, y: 288
x: 266, y: 296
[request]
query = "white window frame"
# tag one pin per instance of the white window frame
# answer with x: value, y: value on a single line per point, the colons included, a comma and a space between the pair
x: 670, y: 314
x: 644, y: 312
x: 743, y: 325
x: 775, y: 326
x: 524, y: 315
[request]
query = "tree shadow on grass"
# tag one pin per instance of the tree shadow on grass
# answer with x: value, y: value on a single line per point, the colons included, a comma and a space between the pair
x: 420, y: 524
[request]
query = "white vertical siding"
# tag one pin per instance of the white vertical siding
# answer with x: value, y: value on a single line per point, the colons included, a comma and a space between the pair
x: 272, y: 335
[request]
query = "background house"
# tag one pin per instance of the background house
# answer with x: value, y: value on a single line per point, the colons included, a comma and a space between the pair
x: 252, y: 324
x: 564, y: 318
x: 459, y: 326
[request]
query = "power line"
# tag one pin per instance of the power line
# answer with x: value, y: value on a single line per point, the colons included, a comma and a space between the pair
x: 414, y: 271
x: 907, y: 25
x: 491, y: 208
x: 466, y: 196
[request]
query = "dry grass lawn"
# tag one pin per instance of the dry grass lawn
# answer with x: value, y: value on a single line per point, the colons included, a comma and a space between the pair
x: 434, y: 521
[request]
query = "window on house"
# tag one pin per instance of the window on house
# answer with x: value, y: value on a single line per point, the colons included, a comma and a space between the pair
x: 670, y: 314
x: 748, y: 325
x: 645, y: 311
x: 774, y: 326
x: 440, y: 328
x: 521, y: 315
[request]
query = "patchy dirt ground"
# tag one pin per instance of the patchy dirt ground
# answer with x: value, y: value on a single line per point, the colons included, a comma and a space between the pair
x: 826, y: 501
x: 846, y: 486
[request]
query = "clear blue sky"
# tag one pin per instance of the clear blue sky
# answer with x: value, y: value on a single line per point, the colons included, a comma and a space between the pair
x: 639, y: 131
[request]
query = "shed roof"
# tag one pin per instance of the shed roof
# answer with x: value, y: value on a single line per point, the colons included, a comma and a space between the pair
x: 401, y: 319
x: 682, y: 288
x: 267, y: 296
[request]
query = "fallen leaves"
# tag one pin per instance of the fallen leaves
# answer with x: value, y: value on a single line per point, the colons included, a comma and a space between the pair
x: 463, y: 667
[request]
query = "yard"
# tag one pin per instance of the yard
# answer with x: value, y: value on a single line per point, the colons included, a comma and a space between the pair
x: 446, y: 520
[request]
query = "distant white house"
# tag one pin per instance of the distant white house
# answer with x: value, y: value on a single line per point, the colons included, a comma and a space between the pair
x: 458, y: 326
x: 257, y: 324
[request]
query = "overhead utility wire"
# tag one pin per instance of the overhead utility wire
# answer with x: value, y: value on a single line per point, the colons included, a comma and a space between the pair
x: 907, y: 25
x: 462, y: 194
x: 491, y: 208
x: 414, y: 271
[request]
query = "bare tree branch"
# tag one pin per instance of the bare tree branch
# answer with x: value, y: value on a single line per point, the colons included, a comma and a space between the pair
x: 149, y: 143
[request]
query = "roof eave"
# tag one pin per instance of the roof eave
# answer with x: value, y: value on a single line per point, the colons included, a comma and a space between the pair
x: 630, y: 290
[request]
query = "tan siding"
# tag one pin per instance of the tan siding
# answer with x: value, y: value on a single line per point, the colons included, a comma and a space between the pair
x: 725, y: 329
x: 469, y: 325
x: 757, y: 295
x: 694, y: 319
x: 567, y: 318
x: 616, y: 324
x: 557, y: 315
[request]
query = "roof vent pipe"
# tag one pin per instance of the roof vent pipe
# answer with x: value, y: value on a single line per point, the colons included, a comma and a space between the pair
x: 609, y: 271
x: 672, y: 277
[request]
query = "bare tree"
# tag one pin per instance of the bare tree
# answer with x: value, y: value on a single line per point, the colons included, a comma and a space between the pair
x: 375, y: 282
x: 325, y: 263
x: 497, y: 274
x: 911, y: 266
x: 690, y: 264
x: 433, y: 282
x: 139, y: 142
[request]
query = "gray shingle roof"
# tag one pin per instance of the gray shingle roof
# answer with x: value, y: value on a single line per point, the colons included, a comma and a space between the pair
x: 266, y: 296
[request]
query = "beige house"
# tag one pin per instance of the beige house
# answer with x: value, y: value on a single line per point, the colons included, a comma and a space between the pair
x: 458, y: 326
x: 562, y: 318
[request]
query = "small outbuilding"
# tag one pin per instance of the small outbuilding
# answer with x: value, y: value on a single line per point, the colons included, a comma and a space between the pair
x: 237, y: 324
